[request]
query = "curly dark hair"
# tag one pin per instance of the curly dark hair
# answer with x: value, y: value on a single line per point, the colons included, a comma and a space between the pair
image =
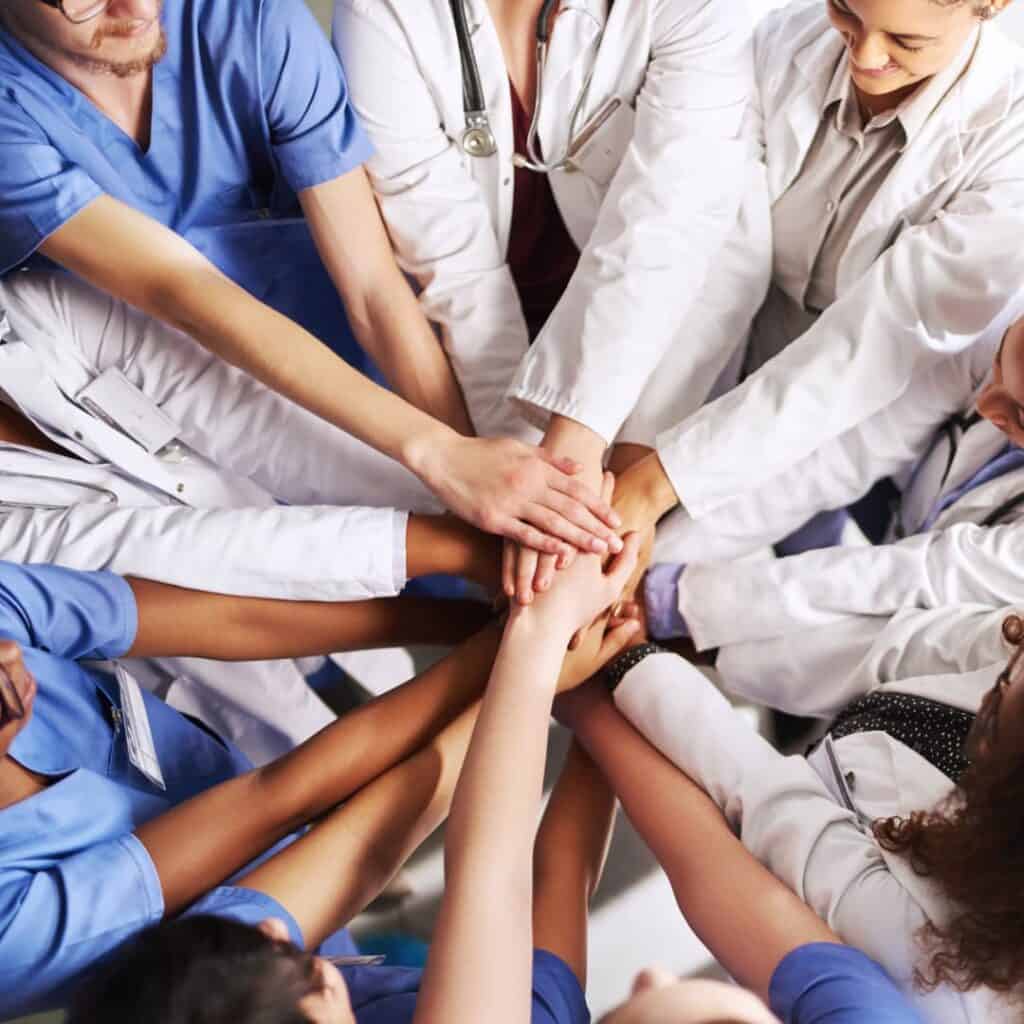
x: 973, y: 847
x: 200, y: 970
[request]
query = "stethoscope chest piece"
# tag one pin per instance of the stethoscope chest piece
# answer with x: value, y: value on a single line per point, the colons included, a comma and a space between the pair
x: 478, y: 140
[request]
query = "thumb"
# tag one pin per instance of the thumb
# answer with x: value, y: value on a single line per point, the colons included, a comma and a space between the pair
x: 617, y: 640
x: 621, y: 566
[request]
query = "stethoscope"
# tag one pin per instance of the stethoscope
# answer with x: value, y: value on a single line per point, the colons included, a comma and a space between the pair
x: 954, y: 430
x: 478, y: 139
x: 106, y: 496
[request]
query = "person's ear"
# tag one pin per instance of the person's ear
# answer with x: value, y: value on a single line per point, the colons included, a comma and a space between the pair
x: 274, y: 928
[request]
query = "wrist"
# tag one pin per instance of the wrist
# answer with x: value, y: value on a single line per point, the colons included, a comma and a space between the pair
x: 541, y: 629
x: 423, y: 452
x: 569, y: 438
x: 647, y: 490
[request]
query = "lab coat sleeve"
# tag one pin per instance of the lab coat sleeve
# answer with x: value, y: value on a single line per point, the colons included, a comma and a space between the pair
x: 741, y: 601
x: 780, y: 807
x: 670, y: 207
x: 57, y: 923
x: 311, y: 554
x: 934, y: 292
x: 837, y: 472
x: 817, y: 672
x: 71, y: 614
x: 436, y: 213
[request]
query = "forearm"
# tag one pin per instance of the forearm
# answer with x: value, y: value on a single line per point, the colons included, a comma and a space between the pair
x: 398, y: 336
x: 177, y: 622
x: 490, y: 838
x: 446, y: 544
x: 568, y: 858
x: 747, y: 917
x: 267, y: 804
x: 356, y: 850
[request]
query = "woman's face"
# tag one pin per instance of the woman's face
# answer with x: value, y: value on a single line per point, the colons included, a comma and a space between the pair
x: 998, y: 729
x: 893, y: 45
x: 1002, y: 400
x: 660, y: 998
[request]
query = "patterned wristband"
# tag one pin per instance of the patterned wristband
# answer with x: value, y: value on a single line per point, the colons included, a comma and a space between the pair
x: 615, y: 671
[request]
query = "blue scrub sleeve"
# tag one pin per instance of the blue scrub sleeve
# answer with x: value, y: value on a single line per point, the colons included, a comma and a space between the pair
x: 661, y: 599
x: 68, y: 613
x: 826, y: 983
x: 57, y: 922
x: 39, y: 189
x: 314, y: 132
x: 557, y: 995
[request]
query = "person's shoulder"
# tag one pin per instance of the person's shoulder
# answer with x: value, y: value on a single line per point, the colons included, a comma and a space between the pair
x: 793, y: 26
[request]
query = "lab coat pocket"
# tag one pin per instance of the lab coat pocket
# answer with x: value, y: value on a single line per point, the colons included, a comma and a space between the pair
x: 602, y: 142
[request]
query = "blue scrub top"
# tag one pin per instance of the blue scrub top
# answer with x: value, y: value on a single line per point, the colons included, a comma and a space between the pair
x: 250, y: 107
x: 825, y: 983
x: 74, y: 881
x: 387, y: 995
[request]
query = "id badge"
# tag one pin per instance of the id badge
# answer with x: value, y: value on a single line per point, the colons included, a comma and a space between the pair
x: 115, y: 400
x: 138, y: 734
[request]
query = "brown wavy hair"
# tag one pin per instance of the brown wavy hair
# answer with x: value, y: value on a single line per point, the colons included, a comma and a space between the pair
x: 972, y: 846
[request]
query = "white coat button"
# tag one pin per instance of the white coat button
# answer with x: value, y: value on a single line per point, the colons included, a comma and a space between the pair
x: 831, y: 206
x: 78, y: 435
x: 507, y: 182
x: 181, y: 488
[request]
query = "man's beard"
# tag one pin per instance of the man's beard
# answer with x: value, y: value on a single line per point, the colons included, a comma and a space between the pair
x: 120, y: 68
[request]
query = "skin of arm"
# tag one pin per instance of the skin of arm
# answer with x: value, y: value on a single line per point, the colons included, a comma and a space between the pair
x: 568, y: 858
x: 500, y: 485
x: 747, y: 917
x: 269, y: 803
x: 382, y: 310
x: 174, y: 621
x: 480, y: 962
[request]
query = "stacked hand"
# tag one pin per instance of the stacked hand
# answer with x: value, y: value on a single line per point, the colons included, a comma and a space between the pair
x: 521, y: 492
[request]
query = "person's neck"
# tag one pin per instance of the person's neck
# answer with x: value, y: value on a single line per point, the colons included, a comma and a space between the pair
x: 516, y: 23
x: 18, y: 783
x: 126, y: 101
x: 872, y: 106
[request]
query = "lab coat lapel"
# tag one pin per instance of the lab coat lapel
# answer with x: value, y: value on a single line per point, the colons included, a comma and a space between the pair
x: 571, y: 56
x: 981, y: 96
x: 790, y: 132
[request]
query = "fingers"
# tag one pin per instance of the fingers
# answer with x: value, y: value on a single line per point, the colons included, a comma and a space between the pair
x: 621, y: 567
x: 596, y: 504
x: 607, y: 486
x: 527, y: 536
x: 508, y: 568
x: 554, y: 524
x: 16, y: 682
x: 526, y: 572
x: 545, y: 575
x: 617, y: 639
x: 591, y: 527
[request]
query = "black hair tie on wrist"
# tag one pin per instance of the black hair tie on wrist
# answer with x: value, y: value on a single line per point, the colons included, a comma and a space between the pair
x: 615, y: 671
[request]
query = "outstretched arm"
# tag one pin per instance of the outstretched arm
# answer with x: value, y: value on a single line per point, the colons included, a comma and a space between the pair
x: 489, y: 847
x: 179, y: 622
x: 747, y: 917
x: 232, y: 823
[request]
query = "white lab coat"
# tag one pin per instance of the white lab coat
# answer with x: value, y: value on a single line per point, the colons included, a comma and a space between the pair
x: 781, y: 623
x: 808, y: 819
x: 934, y: 260
x: 666, y: 286
x: 209, y: 520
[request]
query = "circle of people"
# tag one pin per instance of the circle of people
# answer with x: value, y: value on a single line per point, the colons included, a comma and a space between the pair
x: 682, y: 340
